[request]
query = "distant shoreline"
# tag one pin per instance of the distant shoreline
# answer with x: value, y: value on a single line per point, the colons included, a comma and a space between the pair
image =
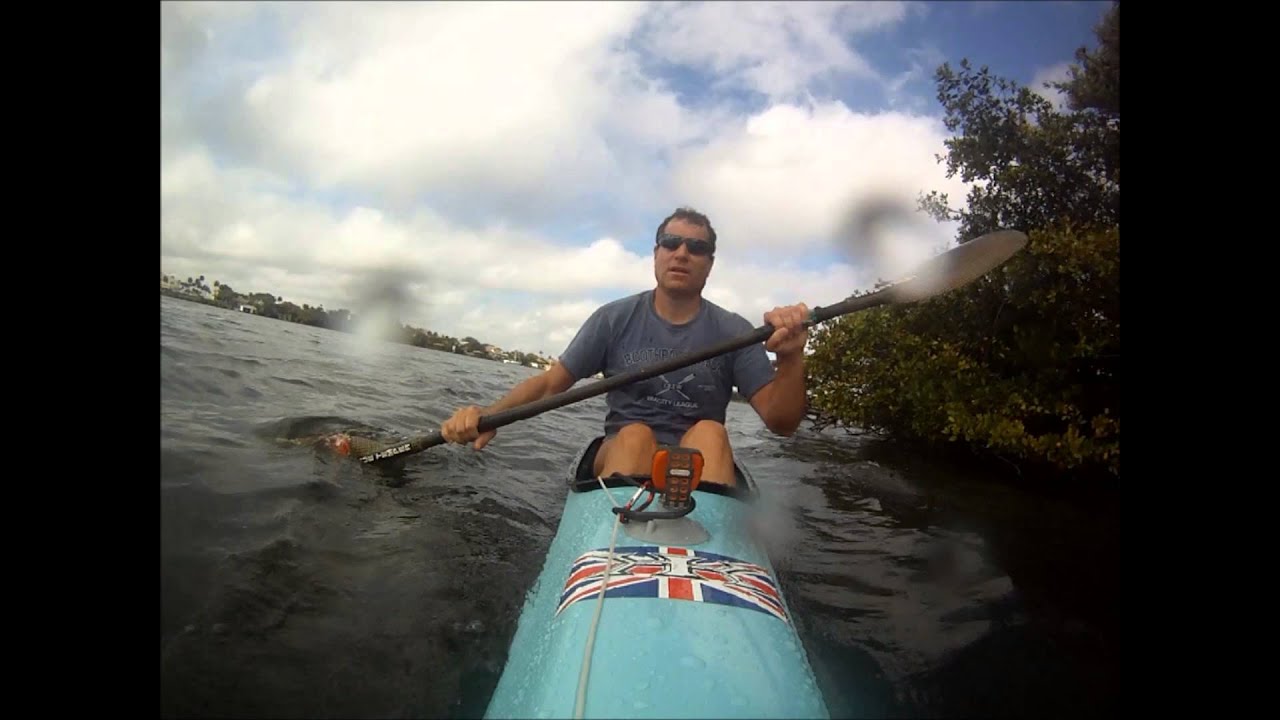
x: 341, y: 321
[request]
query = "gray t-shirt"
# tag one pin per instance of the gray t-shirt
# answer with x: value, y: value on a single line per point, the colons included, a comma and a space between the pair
x: 628, y: 334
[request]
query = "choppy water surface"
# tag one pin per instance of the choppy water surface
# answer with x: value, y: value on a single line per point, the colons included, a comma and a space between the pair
x: 295, y: 585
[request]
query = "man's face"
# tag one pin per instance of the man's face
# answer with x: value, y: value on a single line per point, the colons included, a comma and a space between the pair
x: 679, y: 270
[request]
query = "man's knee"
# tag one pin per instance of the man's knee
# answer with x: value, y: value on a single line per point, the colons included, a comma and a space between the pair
x: 636, y: 434
x: 707, y: 430
x: 628, y: 451
x: 712, y: 440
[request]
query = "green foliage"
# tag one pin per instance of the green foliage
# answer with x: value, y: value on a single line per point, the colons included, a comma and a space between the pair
x: 1035, y: 167
x: 1024, y: 362
x: 1095, y: 79
x: 226, y: 296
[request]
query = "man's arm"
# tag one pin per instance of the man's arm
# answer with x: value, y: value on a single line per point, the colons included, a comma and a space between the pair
x: 555, y: 380
x: 463, y: 426
x: 781, y: 403
x: 583, y: 357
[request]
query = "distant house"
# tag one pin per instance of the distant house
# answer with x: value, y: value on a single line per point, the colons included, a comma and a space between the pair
x: 176, y: 284
x: 249, y: 309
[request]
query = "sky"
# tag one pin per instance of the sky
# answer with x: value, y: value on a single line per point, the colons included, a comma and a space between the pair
x: 498, y: 170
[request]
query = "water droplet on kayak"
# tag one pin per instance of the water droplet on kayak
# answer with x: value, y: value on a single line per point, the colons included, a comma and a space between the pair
x: 641, y: 705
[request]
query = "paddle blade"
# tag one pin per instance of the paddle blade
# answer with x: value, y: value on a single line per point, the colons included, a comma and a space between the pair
x: 352, y: 445
x: 959, y: 266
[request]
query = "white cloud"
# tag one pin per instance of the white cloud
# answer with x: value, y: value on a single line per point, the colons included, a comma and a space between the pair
x: 499, y: 168
x: 922, y: 63
x: 187, y: 29
x: 789, y: 178
x: 1053, y: 73
x: 545, y: 329
x: 774, y: 48
x: 415, y: 99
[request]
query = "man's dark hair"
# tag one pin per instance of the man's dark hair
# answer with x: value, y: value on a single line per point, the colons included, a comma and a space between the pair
x: 688, y: 215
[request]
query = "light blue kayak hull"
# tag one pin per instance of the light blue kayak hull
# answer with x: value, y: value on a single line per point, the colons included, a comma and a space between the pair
x: 685, y: 630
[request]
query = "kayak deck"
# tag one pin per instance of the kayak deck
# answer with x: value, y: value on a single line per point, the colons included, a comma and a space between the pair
x: 694, y: 630
x: 582, y: 479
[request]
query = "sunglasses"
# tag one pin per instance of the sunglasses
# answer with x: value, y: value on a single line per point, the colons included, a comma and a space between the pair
x: 696, y: 246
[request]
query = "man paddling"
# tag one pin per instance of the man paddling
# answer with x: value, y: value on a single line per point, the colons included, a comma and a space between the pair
x: 684, y: 407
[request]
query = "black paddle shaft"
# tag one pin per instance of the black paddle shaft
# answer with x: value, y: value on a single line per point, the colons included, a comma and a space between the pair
x: 506, y: 417
x: 951, y: 269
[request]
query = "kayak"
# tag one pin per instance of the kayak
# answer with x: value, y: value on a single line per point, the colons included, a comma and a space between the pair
x: 692, y: 622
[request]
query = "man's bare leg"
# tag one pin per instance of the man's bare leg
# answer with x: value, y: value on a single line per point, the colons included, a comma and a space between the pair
x: 630, y: 452
x: 712, y: 440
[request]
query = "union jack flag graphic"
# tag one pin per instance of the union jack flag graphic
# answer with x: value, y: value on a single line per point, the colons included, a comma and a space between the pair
x: 674, y: 573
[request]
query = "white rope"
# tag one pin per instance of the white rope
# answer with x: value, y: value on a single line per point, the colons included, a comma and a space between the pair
x: 595, y: 621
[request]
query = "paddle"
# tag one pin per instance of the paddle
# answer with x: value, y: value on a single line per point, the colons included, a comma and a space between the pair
x: 952, y: 269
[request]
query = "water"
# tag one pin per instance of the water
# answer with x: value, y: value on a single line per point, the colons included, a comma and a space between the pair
x: 296, y: 585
